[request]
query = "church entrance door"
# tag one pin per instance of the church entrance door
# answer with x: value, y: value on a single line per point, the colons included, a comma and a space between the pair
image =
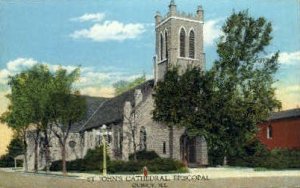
x: 188, y: 150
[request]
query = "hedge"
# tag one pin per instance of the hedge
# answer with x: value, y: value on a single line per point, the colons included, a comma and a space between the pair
x: 93, y: 162
x: 256, y: 155
x: 155, y: 165
x: 144, y: 155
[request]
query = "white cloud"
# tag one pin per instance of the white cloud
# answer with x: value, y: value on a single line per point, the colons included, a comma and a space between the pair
x: 289, y: 57
x: 93, y: 17
x: 212, y: 31
x: 110, y: 30
x: 15, y: 66
x: 91, y: 82
x: 20, y: 64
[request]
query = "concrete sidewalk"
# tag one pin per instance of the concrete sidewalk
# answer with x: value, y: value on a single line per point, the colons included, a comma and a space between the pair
x: 217, y: 177
x: 212, y: 173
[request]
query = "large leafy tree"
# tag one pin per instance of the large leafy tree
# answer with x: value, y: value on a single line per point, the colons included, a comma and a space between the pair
x: 29, y: 100
x: 244, y: 78
x: 67, y: 108
x: 226, y: 103
x: 18, y: 116
x: 41, y: 98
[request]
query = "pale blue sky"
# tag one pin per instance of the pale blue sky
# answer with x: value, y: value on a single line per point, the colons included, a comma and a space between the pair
x: 71, y: 33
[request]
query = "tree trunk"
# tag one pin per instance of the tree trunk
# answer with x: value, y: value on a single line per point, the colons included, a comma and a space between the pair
x: 171, y: 140
x: 25, y: 152
x: 63, y: 158
x: 134, y: 150
x: 36, y: 154
x: 225, y: 161
x: 47, y: 151
x: 225, y: 158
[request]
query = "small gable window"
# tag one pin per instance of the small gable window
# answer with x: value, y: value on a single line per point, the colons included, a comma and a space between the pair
x: 269, y: 132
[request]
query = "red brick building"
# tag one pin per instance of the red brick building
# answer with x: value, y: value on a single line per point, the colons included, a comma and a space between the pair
x: 282, y: 130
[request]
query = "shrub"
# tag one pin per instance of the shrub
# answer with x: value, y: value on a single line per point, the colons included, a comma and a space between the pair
x: 156, y: 165
x: 91, y: 162
x: 283, y: 158
x: 256, y: 155
x: 165, y: 165
x: 125, y: 166
x: 6, y: 161
x: 144, y: 155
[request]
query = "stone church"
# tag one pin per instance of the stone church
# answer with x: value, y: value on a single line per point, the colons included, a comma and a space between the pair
x: 179, y: 42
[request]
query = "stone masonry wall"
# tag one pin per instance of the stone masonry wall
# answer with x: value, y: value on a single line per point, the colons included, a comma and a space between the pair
x: 157, y: 133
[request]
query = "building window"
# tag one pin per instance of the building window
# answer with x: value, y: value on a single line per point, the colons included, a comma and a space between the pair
x: 166, y: 45
x: 161, y: 46
x: 269, y: 132
x: 143, y: 139
x: 182, y: 43
x: 164, y: 148
x: 118, y: 139
x: 108, y: 137
x: 72, y: 144
x: 192, y: 44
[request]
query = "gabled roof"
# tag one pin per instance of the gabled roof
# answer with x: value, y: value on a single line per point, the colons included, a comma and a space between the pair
x: 111, y: 111
x: 292, y: 113
x: 92, y: 105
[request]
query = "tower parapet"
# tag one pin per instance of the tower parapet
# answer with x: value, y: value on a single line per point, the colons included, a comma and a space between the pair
x: 197, y: 16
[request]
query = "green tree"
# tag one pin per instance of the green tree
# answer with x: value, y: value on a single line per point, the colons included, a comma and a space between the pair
x: 244, y: 79
x: 17, y: 117
x: 36, y: 93
x: 67, y: 108
x: 28, y: 105
x: 123, y: 86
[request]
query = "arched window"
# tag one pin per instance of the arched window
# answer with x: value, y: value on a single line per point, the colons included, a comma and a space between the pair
x: 192, y: 44
x: 161, y: 46
x: 182, y: 43
x: 166, y: 44
x: 269, y: 132
x: 143, y: 138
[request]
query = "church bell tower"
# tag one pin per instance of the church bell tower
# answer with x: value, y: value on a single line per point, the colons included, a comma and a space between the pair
x: 179, y: 41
